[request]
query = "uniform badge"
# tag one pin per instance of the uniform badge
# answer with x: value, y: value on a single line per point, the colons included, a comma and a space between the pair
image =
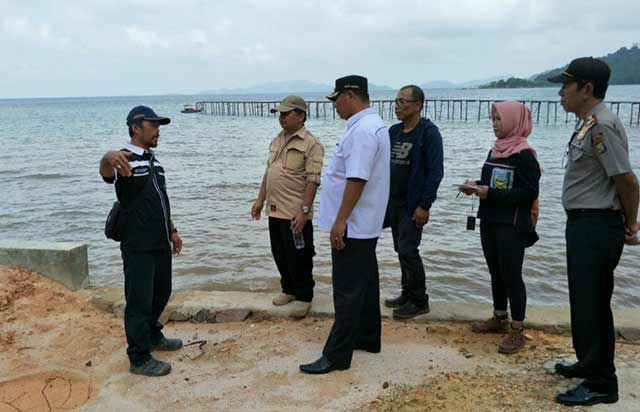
x: 587, y: 124
x: 598, y: 143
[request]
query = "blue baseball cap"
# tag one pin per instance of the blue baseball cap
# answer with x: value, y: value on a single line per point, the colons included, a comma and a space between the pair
x: 140, y: 113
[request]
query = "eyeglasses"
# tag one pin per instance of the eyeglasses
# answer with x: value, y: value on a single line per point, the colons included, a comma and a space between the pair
x: 404, y: 101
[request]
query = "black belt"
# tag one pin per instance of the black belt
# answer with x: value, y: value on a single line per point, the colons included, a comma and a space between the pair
x: 576, y: 213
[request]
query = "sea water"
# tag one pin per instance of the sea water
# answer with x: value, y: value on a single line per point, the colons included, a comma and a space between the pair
x: 51, y: 191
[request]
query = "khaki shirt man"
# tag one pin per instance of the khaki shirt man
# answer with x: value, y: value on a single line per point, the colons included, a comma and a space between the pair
x: 294, y: 163
x: 289, y: 187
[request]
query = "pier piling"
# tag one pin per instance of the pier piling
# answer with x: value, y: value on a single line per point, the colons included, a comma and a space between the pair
x: 541, y: 110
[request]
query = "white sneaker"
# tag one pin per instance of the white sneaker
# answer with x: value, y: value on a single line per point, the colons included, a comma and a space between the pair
x: 282, y: 299
x: 299, y: 309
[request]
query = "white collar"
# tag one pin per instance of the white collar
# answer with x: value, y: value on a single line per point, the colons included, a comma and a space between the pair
x: 362, y: 113
x: 135, y: 149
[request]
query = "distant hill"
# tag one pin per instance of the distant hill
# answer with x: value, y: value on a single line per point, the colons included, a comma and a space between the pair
x: 514, y: 83
x: 446, y: 84
x: 289, y: 86
x: 624, y: 63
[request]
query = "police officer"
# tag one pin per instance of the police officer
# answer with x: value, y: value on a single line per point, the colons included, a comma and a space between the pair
x: 600, y: 195
x: 149, y: 237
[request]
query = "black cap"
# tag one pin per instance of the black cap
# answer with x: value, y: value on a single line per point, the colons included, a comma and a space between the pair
x: 352, y: 82
x: 584, y: 68
x: 140, y: 113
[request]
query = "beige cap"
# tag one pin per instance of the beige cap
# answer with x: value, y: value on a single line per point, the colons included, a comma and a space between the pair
x: 291, y: 103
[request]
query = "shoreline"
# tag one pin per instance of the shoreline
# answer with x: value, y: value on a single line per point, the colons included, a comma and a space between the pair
x: 207, y: 306
x: 61, y: 352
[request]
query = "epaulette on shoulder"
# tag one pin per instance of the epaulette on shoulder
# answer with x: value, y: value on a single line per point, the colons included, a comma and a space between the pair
x: 589, y: 122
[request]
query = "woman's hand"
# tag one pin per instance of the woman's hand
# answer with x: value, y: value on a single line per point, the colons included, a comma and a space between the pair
x: 467, y: 190
x: 482, y: 192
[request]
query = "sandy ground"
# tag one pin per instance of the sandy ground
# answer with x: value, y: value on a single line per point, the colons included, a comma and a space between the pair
x: 58, y: 353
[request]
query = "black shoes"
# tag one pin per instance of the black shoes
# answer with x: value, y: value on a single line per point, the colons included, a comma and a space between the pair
x: 396, y: 302
x: 322, y: 365
x: 167, y: 345
x: 410, y: 310
x: 151, y: 367
x: 581, y: 395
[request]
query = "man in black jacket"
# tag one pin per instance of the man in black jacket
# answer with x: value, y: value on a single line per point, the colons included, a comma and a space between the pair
x: 416, y: 171
x: 148, y: 240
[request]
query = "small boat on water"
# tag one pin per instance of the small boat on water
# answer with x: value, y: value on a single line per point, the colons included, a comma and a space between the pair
x: 188, y: 108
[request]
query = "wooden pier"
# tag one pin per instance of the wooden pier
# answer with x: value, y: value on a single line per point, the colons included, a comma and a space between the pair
x: 542, y: 111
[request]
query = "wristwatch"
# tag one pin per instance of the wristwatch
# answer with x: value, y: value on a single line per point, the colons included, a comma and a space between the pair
x: 305, y: 210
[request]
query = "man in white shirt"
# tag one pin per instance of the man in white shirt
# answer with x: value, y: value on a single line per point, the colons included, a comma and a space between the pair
x: 353, y: 202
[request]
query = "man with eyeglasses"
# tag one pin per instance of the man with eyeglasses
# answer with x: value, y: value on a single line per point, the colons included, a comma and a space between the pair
x: 289, y: 187
x: 148, y: 239
x: 600, y: 196
x: 416, y: 171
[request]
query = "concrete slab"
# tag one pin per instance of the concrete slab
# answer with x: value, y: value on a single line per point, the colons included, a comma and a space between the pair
x: 221, y: 306
x: 64, y: 262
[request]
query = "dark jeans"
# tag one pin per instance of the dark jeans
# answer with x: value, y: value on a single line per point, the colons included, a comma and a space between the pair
x: 295, y: 265
x: 503, y: 248
x: 147, y: 288
x: 356, y: 300
x: 595, y: 240
x: 406, y: 239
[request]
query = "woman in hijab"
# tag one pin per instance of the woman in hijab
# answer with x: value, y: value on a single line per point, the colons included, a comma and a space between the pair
x: 508, y: 189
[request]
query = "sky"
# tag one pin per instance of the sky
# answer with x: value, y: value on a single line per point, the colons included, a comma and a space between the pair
x: 150, y: 47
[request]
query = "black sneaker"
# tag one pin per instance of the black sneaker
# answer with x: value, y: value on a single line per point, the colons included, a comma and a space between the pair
x: 150, y: 367
x: 396, y: 302
x: 410, y: 310
x: 167, y: 345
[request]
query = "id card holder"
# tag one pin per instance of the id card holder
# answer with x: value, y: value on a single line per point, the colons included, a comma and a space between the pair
x: 471, y: 220
x: 471, y: 223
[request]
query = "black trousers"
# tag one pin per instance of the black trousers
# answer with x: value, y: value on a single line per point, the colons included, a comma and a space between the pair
x: 406, y: 239
x: 595, y: 240
x: 147, y: 288
x: 356, y: 300
x: 295, y: 265
x: 503, y: 248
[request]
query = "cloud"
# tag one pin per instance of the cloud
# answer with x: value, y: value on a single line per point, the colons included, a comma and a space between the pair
x: 145, y: 38
x: 194, y: 45
x: 23, y: 29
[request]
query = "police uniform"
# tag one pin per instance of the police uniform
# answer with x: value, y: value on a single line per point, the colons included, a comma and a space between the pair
x: 595, y: 237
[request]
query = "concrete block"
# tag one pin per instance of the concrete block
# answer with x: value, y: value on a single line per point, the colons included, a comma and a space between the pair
x: 64, y: 262
x: 629, y: 334
x: 232, y: 315
x: 178, y: 315
x: 204, y: 316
